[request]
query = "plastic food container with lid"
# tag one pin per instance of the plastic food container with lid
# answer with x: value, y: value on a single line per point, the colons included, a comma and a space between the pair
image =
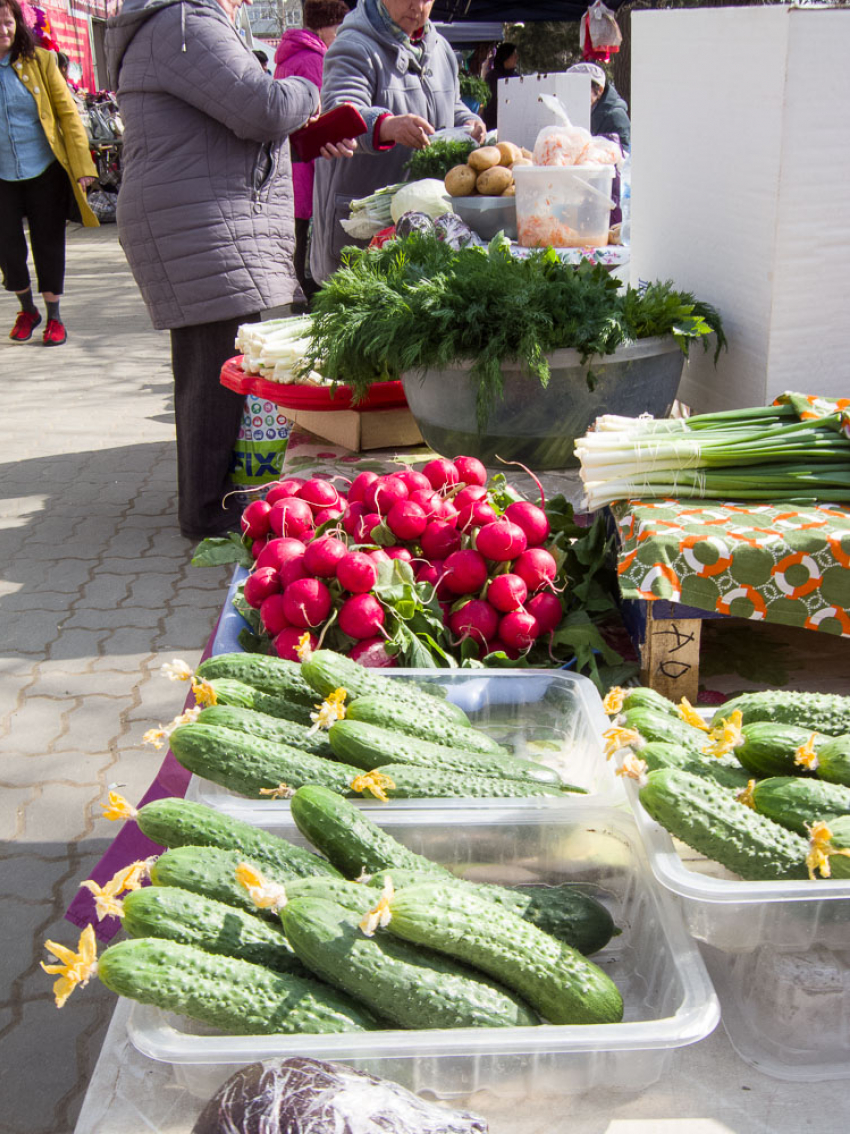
x: 566, y: 206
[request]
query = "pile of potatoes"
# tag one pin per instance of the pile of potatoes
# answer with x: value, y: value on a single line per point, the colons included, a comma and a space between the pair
x: 487, y: 172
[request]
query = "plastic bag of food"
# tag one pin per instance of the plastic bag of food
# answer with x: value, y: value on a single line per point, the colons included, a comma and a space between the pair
x: 453, y: 231
x: 281, y: 1096
x: 603, y: 151
x: 361, y: 227
x: 413, y: 222
x: 561, y: 145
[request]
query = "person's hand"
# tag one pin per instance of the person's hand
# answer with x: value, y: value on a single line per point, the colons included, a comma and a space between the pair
x: 84, y: 182
x: 477, y: 129
x: 343, y: 149
x: 317, y: 113
x: 407, y: 130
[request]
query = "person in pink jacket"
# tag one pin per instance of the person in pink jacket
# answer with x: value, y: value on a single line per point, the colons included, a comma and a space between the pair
x: 301, y: 51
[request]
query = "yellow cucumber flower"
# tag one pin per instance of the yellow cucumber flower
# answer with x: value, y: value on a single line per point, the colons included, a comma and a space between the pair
x: 617, y: 738
x: 117, y: 807
x: 156, y: 736
x: 725, y: 737
x: 106, y: 900
x: 745, y: 795
x: 331, y: 710
x: 381, y: 915
x: 633, y: 768
x: 689, y: 715
x: 282, y: 791
x: 205, y: 695
x: 613, y: 702
x: 264, y: 894
x: 159, y: 736
x: 820, y: 850
x: 805, y: 755
x: 375, y: 782
x: 304, y: 651
x: 176, y: 670
x: 74, y: 968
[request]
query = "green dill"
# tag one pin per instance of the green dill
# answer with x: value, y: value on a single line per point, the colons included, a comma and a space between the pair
x: 437, y: 158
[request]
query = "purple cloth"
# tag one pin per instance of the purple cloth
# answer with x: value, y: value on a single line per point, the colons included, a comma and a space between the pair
x: 301, y: 52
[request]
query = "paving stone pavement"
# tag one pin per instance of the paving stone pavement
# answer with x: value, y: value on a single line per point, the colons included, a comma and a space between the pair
x: 94, y: 579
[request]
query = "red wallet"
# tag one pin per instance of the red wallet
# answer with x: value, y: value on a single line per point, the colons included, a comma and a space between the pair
x: 344, y: 121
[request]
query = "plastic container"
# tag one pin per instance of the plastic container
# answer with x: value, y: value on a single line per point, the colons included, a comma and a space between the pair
x: 550, y: 716
x: 566, y: 206
x: 668, y: 996
x: 488, y: 216
x: 538, y: 425
x: 778, y: 954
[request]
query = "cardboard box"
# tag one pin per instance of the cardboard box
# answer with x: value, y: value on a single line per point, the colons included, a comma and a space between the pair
x: 521, y: 116
x: 740, y: 171
x: 371, y: 429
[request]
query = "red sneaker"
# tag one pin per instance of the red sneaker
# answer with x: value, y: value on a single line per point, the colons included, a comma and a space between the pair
x: 25, y: 324
x: 54, y: 333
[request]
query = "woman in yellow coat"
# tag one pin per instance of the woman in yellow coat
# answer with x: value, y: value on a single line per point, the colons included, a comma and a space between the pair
x: 45, y: 169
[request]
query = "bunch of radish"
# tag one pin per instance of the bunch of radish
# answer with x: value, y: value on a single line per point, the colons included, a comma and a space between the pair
x: 317, y: 552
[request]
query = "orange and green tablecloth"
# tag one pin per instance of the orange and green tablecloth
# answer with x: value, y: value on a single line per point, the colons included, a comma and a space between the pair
x: 783, y: 563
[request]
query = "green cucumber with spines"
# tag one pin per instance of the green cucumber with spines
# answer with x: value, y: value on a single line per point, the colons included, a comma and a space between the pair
x: 413, y: 781
x: 386, y: 713
x: 552, y: 977
x: 236, y: 996
x: 239, y: 695
x: 350, y: 840
x: 796, y: 801
x: 818, y: 712
x: 194, y: 919
x: 408, y: 986
x: 833, y: 763
x: 249, y: 765
x: 655, y: 726
x: 767, y: 749
x: 368, y: 746
x: 657, y: 754
x: 275, y: 676
x: 174, y: 822
x: 264, y: 727
x: 353, y: 896
x: 642, y: 697
x: 566, y: 912
x: 711, y: 821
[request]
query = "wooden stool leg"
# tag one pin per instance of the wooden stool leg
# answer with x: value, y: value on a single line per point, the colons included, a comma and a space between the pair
x: 670, y: 656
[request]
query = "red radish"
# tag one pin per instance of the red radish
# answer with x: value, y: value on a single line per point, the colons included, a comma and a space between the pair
x: 280, y: 551
x: 322, y: 556
x: 286, y: 643
x: 519, y: 629
x: 406, y: 520
x: 272, y: 616
x: 547, y: 609
x: 324, y: 514
x: 361, y: 616
x: 359, y: 485
x: 536, y: 566
x: 262, y: 582
x: 357, y: 572
x: 430, y: 572
x: 476, y: 515
x: 383, y: 493
x: 284, y: 488
x: 307, y: 602
x: 497, y: 647
x: 426, y: 498
x: 439, y: 540
x: 507, y: 592
x: 291, y: 570
x: 258, y: 545
x: 465, y: 572
x: 476, y: 620
x: 290, y: 517
x: 399, y: 553
x: 441, y: 473
x: 352, y: 514
x: 379, y: 556
x: 319, y: 494
x: 531, y: 519
x: 372, y: 652
x: 255, y: 519
x: 501, y: 541
x: 470, y: 470
x: 444, y: 510
x: 468, y: 495
x: 363, y: 527
x: 414, y: 480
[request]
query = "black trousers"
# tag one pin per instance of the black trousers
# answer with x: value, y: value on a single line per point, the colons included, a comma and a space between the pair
x: 43, y: 200
x: 299, y: 258
x: 208, y: 416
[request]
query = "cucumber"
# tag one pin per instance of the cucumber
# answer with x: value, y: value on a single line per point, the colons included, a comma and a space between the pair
x: 840, y: 864
x: 353, y: 896
x: 236, y: 996
x: 795, y: 801
x: 398, y: 982
x: 239, y: 695
x: 275, y: 676
x: 349, y: 839
x: 173, y: 822
x: 767, y: 749
x: 566, y: 912
x: 834, y: 761
x: 369, y: 746
x: 192, y: 919
x: 265, y: 727
x: 657, y: 755
x: 412, y: 781
x: 642, y: 697
x: 817, y: 712
x: 383, y: 711
x: 555, y: 979
x: 653, y: 725
x: 711, y: 821
x: 247, y: 764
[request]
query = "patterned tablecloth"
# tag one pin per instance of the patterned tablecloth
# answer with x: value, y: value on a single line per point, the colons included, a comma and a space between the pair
x: 781, y: 563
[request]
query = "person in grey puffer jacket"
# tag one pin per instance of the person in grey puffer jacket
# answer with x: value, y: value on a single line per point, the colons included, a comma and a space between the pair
x: 205, y: 213
x: 401, y: 74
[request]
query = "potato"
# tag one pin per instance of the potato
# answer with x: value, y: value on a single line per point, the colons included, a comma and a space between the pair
x: 485, y: 158
x: 522, y: 161
x: 460, y: 181
x: 510, y: 153
x: 493, y: 182
x: 526, y: 153
x: 510, y: 191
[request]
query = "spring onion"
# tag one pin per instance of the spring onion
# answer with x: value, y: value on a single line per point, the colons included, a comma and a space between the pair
x: 276, y: 350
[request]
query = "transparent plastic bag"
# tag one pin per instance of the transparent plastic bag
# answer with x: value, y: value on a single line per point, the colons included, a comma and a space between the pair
x: 561, y: 145
x: 602, y: 26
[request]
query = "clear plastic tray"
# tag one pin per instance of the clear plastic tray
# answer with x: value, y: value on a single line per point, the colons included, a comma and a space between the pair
x: 551, y: 716
x: 669, y: 1000
x: 778, y: 953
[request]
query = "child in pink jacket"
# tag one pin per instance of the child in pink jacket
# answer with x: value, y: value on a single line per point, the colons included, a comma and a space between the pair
x: 301, y: 51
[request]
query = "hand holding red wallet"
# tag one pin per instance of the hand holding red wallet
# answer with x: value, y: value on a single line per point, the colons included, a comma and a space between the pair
x: 329, y: 135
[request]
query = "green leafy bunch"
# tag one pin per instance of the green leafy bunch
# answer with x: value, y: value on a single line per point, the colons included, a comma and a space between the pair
x: 474, y: 88
x: 437, y: 158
